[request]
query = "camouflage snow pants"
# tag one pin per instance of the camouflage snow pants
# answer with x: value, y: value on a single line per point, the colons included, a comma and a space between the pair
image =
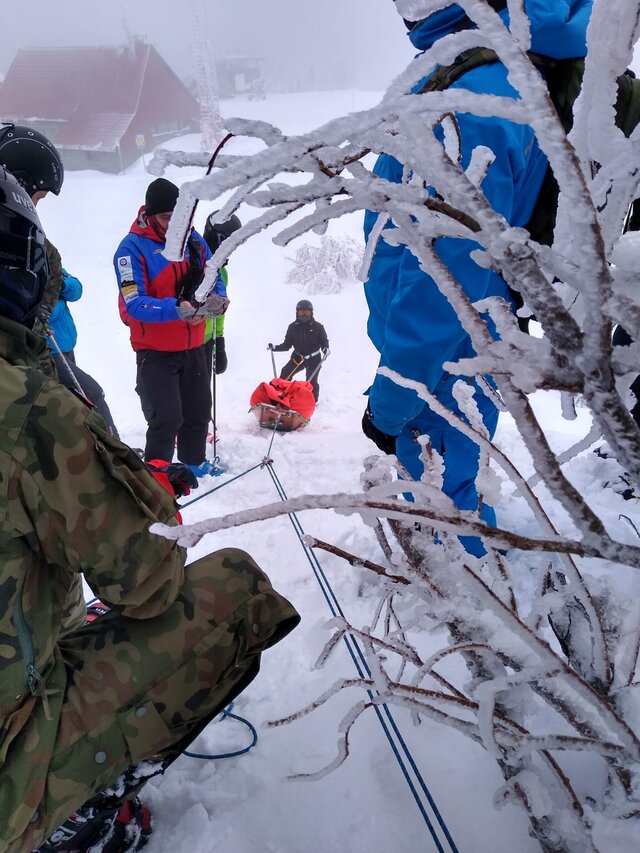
x: 124, y: 690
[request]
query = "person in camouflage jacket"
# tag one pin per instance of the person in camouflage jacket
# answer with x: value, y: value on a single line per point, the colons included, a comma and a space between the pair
x: 82, y: 705
x: 35, y: 163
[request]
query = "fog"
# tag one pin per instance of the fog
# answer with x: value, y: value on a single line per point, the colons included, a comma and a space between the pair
x: 303, y: 43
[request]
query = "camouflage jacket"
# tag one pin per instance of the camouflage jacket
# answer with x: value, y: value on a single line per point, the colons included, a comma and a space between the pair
x: 72, y: 500
x: 52, y: 291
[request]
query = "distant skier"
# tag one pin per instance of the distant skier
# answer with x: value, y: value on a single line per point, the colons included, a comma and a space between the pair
x: 310, y: 344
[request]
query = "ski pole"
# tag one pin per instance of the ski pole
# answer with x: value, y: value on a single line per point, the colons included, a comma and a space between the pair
x: 213, y: 391
x: 77, y: 387
x: 273, y: 362
x: 319, y: 365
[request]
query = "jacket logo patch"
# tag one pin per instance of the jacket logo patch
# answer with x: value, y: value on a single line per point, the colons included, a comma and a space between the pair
x: 129, y: 292
x: 125, y: 269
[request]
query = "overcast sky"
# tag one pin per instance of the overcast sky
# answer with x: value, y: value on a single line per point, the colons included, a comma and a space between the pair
x: 364, y: 40
x: 317, y: 43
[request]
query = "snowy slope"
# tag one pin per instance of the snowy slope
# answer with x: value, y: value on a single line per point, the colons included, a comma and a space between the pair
x: 247, y: 804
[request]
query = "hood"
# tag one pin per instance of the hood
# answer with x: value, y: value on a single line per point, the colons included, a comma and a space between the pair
x: 558, y: 27
x: 142, y: 227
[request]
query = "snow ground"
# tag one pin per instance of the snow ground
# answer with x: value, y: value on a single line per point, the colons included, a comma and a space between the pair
x: 248, y: 804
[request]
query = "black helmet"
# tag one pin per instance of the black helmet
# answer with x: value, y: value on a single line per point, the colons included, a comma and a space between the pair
x: 215, y: 232
x: 23, y: 258
x: 304, y: 311
x: 32, y: 158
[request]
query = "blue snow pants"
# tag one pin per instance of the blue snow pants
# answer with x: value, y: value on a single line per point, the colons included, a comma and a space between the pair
x: 461, y: 455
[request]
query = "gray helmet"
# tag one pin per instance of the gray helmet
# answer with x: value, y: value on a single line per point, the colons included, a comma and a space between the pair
x: 23, y: 258
x: 304, y: 311
x: 31, y: 158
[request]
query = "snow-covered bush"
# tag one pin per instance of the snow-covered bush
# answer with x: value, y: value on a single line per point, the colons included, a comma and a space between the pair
x: 549, y: 634
x: 326, y: 268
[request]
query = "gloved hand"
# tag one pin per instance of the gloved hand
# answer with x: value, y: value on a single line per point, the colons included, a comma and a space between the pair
x: 385, y: 443
x: 181, y: 478
x: 213, y: 306
x: 185, y: 310
x: 221, y: 355
x: 271, y: 347
x: 43, y: 312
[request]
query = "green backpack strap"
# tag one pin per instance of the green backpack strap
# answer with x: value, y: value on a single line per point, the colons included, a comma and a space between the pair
x: 445, y: 75
x: 564, y: 81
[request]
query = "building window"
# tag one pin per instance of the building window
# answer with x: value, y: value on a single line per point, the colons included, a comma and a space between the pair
x: 167, y: 127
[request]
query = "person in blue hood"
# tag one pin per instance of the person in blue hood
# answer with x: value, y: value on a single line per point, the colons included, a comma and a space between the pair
x: 62, y: 339
x: 411, y: 323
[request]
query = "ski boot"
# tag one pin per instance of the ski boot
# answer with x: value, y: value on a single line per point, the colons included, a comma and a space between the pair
x: 208, y: 468
x: 95, y: 609
x: 124, y: 829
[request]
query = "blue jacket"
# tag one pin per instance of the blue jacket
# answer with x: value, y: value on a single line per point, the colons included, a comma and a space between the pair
x: 411, y: 324
x: 61, y: 321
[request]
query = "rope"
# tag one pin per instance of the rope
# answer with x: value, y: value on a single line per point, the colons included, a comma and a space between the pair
x: 226, y: 483
x: 265, y: 461
x: 382, y: 711
x: 385, y: 718
x: 227, y: 714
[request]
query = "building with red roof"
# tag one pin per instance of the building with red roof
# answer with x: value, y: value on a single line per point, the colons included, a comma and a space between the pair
x: 101, y: 106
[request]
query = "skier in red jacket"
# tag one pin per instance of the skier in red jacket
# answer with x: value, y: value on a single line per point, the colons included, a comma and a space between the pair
x: 157, y: 302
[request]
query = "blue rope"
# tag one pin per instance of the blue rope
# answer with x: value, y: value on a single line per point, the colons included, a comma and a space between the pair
x: 222, y: 485
x: 262, y: 464
x: 227, y: 714
x: 362, y: 667
x: 359, y: 660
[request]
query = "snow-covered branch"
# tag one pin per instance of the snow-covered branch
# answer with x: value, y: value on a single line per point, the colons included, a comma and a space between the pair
x: 555, y: 670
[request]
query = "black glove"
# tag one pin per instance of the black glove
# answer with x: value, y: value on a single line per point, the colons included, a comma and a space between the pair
x: 271, y: 347
x: 180, y: 476
x: 192, y: 278
x: 221, y: 356
x: 385, y: 443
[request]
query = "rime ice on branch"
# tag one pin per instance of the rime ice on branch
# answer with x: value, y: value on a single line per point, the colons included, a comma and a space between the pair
x: 556, y: 669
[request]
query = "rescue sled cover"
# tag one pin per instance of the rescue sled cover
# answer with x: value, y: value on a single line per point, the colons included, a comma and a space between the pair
x: 283, y: 404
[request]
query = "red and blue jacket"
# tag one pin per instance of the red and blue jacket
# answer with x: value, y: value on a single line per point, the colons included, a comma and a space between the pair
x: 149, y: 285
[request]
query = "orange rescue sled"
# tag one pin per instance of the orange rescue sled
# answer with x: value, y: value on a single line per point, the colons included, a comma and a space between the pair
x: 282, y: 404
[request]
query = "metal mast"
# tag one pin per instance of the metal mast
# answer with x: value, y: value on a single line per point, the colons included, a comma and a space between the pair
x: 206, y: 78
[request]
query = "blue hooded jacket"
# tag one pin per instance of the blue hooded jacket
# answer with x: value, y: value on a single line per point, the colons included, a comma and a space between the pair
x: 61, y: 321
x: 411, y: 324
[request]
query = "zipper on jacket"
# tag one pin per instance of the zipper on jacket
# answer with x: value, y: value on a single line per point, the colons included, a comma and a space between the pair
x: 34, y: 680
